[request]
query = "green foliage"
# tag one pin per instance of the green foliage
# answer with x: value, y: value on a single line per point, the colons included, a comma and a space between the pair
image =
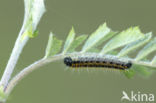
x: 153, y: 61
x: 129, y: 73
x: 3, y: 96
x: 53, y: 46
x: 143, y: 71
x: 94, y: 50
x: 69, y: 40
x: 30, y: 34
x: 78, y: 41
x: 96, y: 37
x: 134, y: 45
x: 130, y: 39
x: 128, y: 36
x: 150, y: 47
x: 34, y: 10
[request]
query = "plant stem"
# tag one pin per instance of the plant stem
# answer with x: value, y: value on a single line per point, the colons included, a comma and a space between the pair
x: 18, y: 47
x: 28, y: 70
x: 45, y: 61
x: 19, y: 44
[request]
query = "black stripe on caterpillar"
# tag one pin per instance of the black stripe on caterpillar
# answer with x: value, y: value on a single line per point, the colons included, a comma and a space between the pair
x: 101, y: 62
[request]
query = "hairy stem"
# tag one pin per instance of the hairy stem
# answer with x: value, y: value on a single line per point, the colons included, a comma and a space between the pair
x: 18, y: 47
x: 28, y: 70
x: 19, y: 44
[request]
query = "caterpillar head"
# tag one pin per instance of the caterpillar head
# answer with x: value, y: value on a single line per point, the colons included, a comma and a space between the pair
x: 68, y: 61
x: 129, y: 64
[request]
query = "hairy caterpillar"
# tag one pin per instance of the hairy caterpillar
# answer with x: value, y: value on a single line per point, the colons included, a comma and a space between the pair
x: 97, y: 61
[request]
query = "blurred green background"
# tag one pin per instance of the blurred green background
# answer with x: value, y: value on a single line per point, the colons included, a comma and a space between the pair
x: 51, y: 83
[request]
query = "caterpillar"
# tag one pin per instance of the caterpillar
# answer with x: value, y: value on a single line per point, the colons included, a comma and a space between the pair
x: 97, y: 61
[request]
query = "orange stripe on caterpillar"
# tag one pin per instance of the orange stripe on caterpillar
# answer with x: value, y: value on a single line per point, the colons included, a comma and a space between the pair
x: 97, y: 62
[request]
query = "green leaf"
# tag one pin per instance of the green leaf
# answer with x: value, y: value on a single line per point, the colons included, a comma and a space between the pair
x: 150, y: 47
x: 123, y: 38
x: 134, y: 45
x: 33, y: 34
x: 69, y: 40
x: 53, y: 46
x: 143, y: 71
x: 78, y: 41
x: 153, y: 60
x: 3, y: 96
x: 108, y: 36
x: 96, y: 37
x: 34, y: 9
x: 94, y: 50
x: 50, y: 43
x: 129, y: 73
x: 29, y: 33
x: 113, y: 52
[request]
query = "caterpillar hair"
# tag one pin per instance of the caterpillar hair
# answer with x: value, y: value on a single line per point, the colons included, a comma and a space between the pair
x: 97, y: 61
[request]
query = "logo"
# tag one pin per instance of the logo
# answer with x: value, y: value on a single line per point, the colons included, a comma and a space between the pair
x: 137, y: 97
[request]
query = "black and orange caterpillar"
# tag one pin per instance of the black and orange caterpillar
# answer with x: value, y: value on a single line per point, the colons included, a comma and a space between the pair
x: 97, y: 62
